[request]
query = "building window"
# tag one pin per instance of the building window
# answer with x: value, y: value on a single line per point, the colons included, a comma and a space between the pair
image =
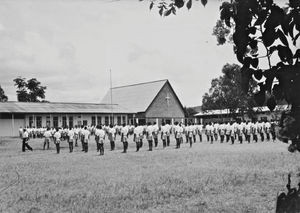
x: 48, y: 122
x: 64, y: 121
x: 85, y: 123
x: 106, y: 120
x: 30, y: 121
x: 55, y: 122
x: 71, y: 122
x: 119, y: 120
x: 93, y: 121
x: 124, y: 119
x: 99, y: 120
x: 38, y: 122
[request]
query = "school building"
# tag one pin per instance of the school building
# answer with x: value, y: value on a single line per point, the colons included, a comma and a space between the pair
x: 138, y: 103
x: 223, y: 115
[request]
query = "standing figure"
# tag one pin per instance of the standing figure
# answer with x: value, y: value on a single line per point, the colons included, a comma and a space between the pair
x: 101, y: 134
x: 190, y: 134
x: 200, y: 130
x: 124, y: 137
x: 164, y: 131
x: 71, y: 136
x: 25, y: 139
x: 76, y: 136
x: 96, y: 132
x: 47, y: 136
x: 267, y: 130
x: 168, y: 132
x: 86, y: 136
x: 57, y: 138
x: 149, y: 134
x: 248, y: 131
x: 155, y: 133
x: 111, y: 137
x: 136, y: 137
x: 178, y: 134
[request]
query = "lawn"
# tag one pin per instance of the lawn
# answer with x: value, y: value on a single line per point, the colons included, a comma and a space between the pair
x: 205, y: 178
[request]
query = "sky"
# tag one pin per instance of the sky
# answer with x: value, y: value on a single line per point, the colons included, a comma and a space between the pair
x: 70, y: 46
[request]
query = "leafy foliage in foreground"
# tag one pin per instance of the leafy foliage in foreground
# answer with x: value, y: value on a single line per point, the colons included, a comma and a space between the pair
x: 3, y: 97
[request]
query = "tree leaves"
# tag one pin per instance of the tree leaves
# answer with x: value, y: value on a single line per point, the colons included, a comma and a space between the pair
x: 30, y: 91
x: 271, y: 103
x: 204, y: 2
x: 179, y: 3
x: 260, y: 97
x: 3, y: 97
x: 189, y: 4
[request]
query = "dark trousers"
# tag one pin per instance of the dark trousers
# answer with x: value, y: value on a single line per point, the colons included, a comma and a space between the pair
x: 262, y: 137
x: 125, y: 146
x: 98, y: 146
x: 187, y: 138
x: 101, y: 148
x: 211, y: 139
x: 156, y: 141
x: 255, y: 137
x: 112, y: 145
x: 164, y: 143
x: 191, y: 141
x: 200, y: 137
x: 194, y: 138
x: 178, y: 141
x: 150, y: 142
x: 207, y: 136
x: 82, y: 142
x: 240, y: 138
x: 141, y: 143
x: 138, y: 146
x: 168, y: 140
x: 227, y: 138
x: 85, y: 147
x: 24, y: 145
x: 248, y: 138
x: 71, y: 146
x: 57, y: 148
x: 273, y: 136
x: 222, y: 138
x: 76, y: 142
x: 232, y: 139
x: 268, y: 136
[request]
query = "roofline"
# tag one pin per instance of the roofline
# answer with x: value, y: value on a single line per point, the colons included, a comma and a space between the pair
x: 149, y: 82
x: 57, y: 103
x: 167, y: 82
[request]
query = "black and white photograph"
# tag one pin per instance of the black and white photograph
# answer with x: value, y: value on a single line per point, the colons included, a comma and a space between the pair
x: 179, y: 106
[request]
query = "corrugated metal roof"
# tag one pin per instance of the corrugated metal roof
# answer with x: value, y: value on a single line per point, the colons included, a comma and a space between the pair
x: 256, y: 109
x: 32, y: 107
x: 136, y: 97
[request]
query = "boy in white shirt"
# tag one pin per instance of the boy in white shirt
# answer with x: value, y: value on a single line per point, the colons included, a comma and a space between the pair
x: 57, y: 138
x: 25, y: 138
x: 149, y: 132
x: 124, y: 137
x: 47, y: 136
x: 100, y: 133
x: 71, y: 135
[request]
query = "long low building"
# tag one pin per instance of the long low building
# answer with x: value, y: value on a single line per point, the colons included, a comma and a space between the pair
x: 223, y: 115
x: 137, y: 103
x: 14, y: 115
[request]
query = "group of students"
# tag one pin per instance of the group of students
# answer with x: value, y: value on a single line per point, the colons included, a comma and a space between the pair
x: 223, y: 132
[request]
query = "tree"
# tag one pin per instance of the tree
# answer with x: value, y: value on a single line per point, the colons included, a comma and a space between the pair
x: 30, y: 90
x: 225, y: 93
x: 189, y: 112
x: 3, y: 97
x: 269, y: 32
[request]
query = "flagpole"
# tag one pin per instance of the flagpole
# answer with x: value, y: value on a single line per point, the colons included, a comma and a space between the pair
x: 111, y: 100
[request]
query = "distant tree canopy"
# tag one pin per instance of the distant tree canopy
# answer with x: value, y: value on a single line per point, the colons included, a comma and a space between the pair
x: 189, y: 112
x: 3, y: 97
x: 30, y: 90
x: 225, y: 92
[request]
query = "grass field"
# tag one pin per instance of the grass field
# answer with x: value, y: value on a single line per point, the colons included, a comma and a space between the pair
x: 205, y: 178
